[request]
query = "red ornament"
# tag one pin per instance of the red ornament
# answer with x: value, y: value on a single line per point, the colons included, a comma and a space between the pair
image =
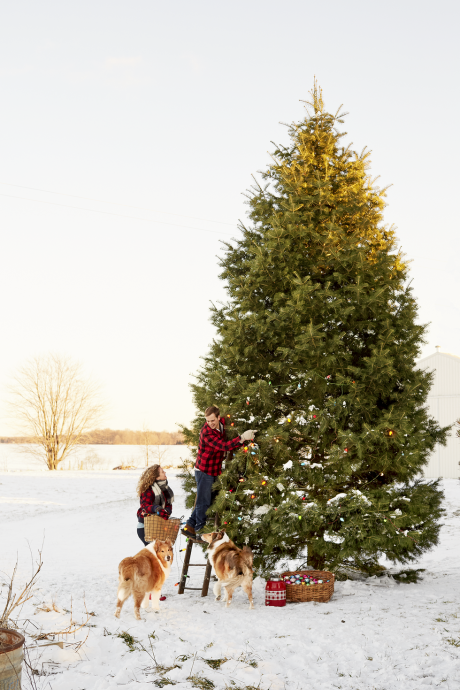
x: 275, y: 592
x: 314, y: 416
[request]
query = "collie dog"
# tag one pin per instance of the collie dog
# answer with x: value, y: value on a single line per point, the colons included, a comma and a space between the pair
x: 233, y: 566
x: 143, y: 575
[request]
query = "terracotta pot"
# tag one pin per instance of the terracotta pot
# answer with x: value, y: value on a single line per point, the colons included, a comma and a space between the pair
x: 11, y: 658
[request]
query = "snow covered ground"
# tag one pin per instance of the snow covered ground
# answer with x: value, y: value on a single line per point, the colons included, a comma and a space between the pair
x: 373, y: 634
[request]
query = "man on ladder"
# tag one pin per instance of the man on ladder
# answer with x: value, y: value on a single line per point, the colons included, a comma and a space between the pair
x: 208, y: 466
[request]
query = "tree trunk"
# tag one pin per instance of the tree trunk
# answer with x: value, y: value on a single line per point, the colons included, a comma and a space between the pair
x: 49, y: 459
x: 315, y: 559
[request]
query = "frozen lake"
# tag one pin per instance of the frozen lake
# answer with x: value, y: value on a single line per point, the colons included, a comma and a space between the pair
x: 17, y: 457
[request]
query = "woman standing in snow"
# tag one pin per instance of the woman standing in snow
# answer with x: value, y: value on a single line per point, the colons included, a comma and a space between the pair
x: 155, y: 495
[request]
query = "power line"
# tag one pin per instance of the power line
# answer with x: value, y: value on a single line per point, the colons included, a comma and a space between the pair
x: 114, y: 203
x: 119, y: 215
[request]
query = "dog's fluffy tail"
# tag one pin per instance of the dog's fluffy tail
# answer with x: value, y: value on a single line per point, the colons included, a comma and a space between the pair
x: 243, y: 567
x: 127, y: 571
x: 233, y: 582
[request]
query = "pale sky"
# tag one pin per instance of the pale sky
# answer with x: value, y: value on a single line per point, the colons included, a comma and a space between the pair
x: 164, y: 111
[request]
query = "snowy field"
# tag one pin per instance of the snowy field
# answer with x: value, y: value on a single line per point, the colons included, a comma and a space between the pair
x: 373, y: 634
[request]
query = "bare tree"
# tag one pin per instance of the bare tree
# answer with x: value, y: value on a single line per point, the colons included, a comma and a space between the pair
x: 159, y: 454
x: 147, y: 435
x: 54, y: 405
x: 152, y: 449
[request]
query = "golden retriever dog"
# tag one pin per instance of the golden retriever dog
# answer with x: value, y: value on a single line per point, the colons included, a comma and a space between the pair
x: 233, y: 566
x: 143, y: 575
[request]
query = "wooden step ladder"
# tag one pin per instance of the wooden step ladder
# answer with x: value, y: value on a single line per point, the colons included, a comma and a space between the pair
x: 207, y: 573
x: 187, y: 565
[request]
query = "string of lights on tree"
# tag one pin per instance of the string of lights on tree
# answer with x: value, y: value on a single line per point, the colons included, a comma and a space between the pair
x: 253, y: 449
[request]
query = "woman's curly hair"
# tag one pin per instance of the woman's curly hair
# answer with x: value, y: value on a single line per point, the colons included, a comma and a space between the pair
x: 147, y: 478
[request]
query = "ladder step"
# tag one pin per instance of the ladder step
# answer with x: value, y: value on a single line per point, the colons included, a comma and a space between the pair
x: 198, y: 589
x: 198, y: 565
x: 187, y: 564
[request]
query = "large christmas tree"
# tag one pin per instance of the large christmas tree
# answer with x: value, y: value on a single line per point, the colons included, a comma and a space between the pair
x: 316, y: 349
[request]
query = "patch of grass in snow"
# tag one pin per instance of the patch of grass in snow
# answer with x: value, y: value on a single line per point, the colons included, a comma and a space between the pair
x: 453, y: 642
x: 52, y: 607
x: 201, y: 682
x: 159, y: 668
x: 441, y: 620
x: 215, y: 663
x: 246, y: 659
x: 129, y: 640
x: 162, y: 682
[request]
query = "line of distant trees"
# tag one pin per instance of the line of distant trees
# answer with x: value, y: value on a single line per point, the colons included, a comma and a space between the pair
x: 116, y: 437
x: 57, y: 407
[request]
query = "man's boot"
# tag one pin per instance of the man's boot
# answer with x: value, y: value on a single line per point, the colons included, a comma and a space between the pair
x: 197, y: 538
x: 189, y: 531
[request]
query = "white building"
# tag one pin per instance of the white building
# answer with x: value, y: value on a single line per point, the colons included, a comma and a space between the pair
x: 444, y: 406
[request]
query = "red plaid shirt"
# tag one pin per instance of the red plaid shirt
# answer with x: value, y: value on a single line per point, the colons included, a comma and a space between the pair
x: 148, y: 507
x: 211, y: 450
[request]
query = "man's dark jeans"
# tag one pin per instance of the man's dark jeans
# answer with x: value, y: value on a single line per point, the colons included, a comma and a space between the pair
x: 204, y: 488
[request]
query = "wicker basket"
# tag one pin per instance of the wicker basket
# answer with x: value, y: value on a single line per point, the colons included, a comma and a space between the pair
x: 157, y: 528
x: 313, y: 592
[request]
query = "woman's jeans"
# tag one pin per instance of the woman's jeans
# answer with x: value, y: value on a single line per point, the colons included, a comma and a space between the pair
x: 204, y: 489
x: 141, y: 535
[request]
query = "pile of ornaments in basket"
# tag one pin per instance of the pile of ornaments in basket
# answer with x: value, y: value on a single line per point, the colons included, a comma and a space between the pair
x: 313, y: 585
x: 300, y: 579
